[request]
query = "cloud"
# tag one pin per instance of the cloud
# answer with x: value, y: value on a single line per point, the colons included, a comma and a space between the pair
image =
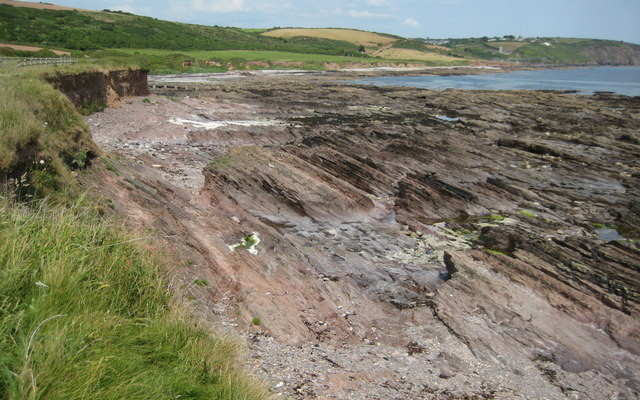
x: 219, y: 6
x: 365, y: 14
x: 411, y: 22
x: 377, y: 2
x: 359, y: 14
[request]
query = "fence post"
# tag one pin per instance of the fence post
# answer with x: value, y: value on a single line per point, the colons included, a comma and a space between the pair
x: 26, y: 62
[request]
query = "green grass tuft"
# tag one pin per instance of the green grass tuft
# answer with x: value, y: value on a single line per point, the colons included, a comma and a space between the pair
x: 528, y: 213
x: 85, y: 313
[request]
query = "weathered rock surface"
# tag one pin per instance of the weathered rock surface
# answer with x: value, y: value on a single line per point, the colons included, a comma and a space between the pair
x: 414, y: 244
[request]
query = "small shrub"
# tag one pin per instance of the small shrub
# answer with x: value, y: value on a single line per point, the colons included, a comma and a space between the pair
x: 91, y: 108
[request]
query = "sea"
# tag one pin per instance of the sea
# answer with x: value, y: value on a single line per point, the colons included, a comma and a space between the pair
x: 620, y: 80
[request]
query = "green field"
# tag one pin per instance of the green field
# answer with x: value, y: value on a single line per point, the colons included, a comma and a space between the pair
x: 167, y: 61
x: 431, y: 58
x: 249, y: 55
x: 364, y: 38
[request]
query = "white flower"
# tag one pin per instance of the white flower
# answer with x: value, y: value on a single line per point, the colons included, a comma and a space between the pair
x: 41, y: 284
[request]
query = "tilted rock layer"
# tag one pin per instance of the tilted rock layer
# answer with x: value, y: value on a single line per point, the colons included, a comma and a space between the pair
x: 413, y: 244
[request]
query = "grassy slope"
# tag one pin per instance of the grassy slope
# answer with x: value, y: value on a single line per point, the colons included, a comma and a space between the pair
x: 87, y: 31
x: 388, y: 47
x: 84, y: 309
x: 41, y: 134
x: 508, y: 46
x: 85, y: 313
x: 95, y: 30
x: 225, y: 55
x: 159, y: 59
x: 555, y: 51
x: 430, y: 57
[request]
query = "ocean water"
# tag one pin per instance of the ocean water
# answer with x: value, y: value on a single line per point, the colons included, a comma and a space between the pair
x: 620, y: 80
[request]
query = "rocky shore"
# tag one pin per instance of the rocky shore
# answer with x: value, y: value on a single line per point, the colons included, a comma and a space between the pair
x: 413, y: 244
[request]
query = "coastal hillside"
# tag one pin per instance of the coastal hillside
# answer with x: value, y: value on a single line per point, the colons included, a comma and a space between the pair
x: 133, y: 39
x: 507, y: 48
x: 372, y: 44
x: 89, y: 30
x: 544, y: 50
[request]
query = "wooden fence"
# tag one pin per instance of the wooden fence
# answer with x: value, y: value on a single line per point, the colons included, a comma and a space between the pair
x: 27, y: 62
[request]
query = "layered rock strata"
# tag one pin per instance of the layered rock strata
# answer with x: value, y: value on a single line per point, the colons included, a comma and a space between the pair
x: 413, y: 244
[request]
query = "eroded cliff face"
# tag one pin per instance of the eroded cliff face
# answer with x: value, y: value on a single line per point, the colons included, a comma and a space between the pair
x: 621, y: 54
x: 95, y: 90
x: 413, y: 244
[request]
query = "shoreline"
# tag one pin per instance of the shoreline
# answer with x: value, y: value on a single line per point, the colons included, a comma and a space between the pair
x: 219, y: 76
x: 204, y: 81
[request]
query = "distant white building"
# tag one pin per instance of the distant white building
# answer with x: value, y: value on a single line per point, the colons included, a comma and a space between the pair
x: 438, y: 42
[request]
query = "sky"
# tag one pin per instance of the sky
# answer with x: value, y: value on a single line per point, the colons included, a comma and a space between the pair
x: 595, y: 19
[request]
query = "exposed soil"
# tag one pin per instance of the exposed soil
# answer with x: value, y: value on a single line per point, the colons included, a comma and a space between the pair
x: 32, y: 48
x: 96, y: 90
x: 413, y: 244
x: 43, y: 6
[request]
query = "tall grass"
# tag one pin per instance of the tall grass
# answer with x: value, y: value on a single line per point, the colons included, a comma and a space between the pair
x: 18, y: 126
x: 85, y: 314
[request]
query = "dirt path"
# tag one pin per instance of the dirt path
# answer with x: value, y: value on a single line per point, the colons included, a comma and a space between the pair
x: 31, y: 48
x: 413, y: 244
